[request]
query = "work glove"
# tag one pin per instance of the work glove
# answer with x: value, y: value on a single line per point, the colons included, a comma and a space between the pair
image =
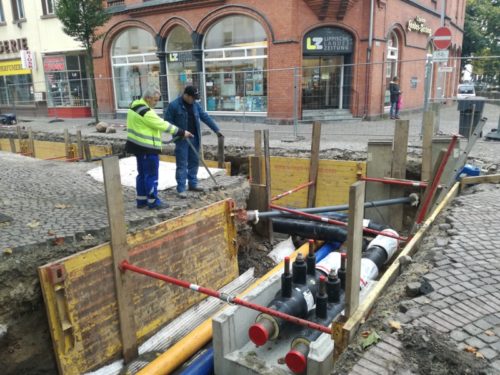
x: 219, y: 134
x: 188, y: 134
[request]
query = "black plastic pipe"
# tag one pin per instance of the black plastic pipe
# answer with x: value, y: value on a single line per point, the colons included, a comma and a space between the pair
x: 413, y: 198
x: 310, y: 229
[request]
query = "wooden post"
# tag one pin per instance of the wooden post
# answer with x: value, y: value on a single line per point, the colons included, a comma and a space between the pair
x: 67, y: 145
x: 119, y: 249
x: 19, y: 136
x: 435, y: 108
x: 257, y: 134
x: 379, y: 164
x: 427, y: 191
x: 267, y: 157
x: 31, y: 142
x: 220, y: 152
x: 86, y: 149
x: 438, y: 143
x: 398, y: 169
x: 314, y: 165
x: 12, y: 145
x: 427, y: 145
x: 79, y: 144
x: 354, y: 242
x: 255, y: 169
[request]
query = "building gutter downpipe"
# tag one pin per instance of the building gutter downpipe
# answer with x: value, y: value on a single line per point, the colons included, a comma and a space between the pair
x: 369, y: 56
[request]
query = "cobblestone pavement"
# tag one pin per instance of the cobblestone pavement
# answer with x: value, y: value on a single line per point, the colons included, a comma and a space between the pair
x: 349, y: 135
x: 465, y: 304
x: 49, y: 199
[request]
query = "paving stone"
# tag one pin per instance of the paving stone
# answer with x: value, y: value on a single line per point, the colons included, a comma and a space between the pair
x: 483, y: 324
x: 496, y: 346
x: 488, y: 353
x: 496, y: 365
x: 472, y: 330
x: 459, y: 335
x: 446, y: 291
x: 475, y: 342
x: 488, y: 339
x: 493, y: 319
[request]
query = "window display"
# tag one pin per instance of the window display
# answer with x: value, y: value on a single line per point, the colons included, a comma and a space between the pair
x: 66, y: 80
x: 16, y: 84
x: 235, y: 63
x: 181, y: 66
x: 135, y: 66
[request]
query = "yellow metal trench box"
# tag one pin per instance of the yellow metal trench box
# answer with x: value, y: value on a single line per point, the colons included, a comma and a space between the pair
x: 79, y: 291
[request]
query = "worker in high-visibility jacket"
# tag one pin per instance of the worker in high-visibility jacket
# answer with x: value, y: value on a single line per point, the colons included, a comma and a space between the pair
x: 144, y: 128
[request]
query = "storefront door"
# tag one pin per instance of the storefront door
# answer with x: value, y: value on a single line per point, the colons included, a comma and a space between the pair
x: 322, y: 82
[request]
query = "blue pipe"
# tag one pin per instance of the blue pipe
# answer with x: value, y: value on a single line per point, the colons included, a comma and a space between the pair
x: 204, y: 364
x: 326, y: 249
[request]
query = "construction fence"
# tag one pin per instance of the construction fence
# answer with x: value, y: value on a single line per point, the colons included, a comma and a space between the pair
x: 322, y: 89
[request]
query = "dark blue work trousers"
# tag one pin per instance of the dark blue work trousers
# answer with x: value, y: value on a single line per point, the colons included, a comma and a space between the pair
x: 187, y: 163
x: 147, y: 180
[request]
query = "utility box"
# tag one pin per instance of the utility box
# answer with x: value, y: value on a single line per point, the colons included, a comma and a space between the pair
x: 471, y: 111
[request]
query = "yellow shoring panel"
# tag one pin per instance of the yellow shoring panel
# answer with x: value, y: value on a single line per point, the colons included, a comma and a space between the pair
x: 334, y: 179
x: 82, y: 310
x: 209, y: 163
x: 47, y: 149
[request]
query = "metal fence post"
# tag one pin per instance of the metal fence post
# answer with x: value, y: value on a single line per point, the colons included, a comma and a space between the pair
x: 295, y: 102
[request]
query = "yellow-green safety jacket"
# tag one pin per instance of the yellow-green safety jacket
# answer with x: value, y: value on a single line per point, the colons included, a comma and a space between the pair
x: 144, y: 128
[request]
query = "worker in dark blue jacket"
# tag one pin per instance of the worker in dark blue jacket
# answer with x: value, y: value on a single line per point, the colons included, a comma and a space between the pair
x: 185, y: 113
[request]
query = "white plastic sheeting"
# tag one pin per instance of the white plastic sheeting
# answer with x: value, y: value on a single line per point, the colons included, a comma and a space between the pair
x: 128, y: 173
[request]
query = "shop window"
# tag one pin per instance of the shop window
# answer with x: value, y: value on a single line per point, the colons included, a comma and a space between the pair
x: 18, y: 10
x: 391, y: 68
x: 235, y: 63
x: 135, y: 66
x: 67, y: 82
x: 181, y: 65
x: 48, y: 7
x: 16, y: 84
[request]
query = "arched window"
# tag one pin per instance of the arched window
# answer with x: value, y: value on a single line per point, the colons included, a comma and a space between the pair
x: 391, y: 69
x: 235, y: 62
x: 181, y: 65
x: 135, y: 66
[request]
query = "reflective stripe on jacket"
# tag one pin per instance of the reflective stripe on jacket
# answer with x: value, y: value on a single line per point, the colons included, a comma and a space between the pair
x: 144, y: 127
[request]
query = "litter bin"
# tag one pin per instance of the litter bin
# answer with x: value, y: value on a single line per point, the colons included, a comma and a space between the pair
x: 471, y: 111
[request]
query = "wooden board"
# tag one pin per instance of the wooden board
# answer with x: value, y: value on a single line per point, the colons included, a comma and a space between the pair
x: 198, y: 247
x: 334, y: 179
x: 379, y: 164
x: 209, y: 163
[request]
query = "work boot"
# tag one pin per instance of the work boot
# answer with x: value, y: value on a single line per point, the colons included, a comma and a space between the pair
x: 139, y: 206
x: 159, y: 206
x: 196, y: 188
x: 182, y: 194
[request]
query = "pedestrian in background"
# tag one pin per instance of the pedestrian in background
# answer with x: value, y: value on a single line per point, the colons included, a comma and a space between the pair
x: 395, y: 93
x: 144, y: 128
x: 185, y: 112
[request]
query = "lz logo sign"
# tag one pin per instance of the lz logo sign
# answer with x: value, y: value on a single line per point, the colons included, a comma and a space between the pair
x: 173, y: 57
x: 315, y: 43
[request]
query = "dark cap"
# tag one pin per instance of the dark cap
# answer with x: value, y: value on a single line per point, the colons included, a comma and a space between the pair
x: 192, y: 91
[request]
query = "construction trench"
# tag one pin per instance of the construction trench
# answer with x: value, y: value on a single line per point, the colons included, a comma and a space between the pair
x: 102, y: 303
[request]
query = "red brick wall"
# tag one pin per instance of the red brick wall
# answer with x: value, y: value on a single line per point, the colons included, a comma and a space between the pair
x: 289, y: 21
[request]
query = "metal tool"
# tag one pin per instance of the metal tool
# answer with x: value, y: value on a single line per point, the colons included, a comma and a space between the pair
x: 198, y: 155
x: 202, y: 162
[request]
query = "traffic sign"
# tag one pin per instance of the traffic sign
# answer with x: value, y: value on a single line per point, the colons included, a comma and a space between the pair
x: 442, y: 38
x: 445, y: 69
x: 440, y: 55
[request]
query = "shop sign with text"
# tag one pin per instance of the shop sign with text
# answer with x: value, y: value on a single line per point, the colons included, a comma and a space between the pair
x: 418, y: 24
x: 327, y: 41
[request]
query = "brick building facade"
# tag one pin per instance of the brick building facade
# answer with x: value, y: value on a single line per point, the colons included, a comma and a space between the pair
x: 259, y: 57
